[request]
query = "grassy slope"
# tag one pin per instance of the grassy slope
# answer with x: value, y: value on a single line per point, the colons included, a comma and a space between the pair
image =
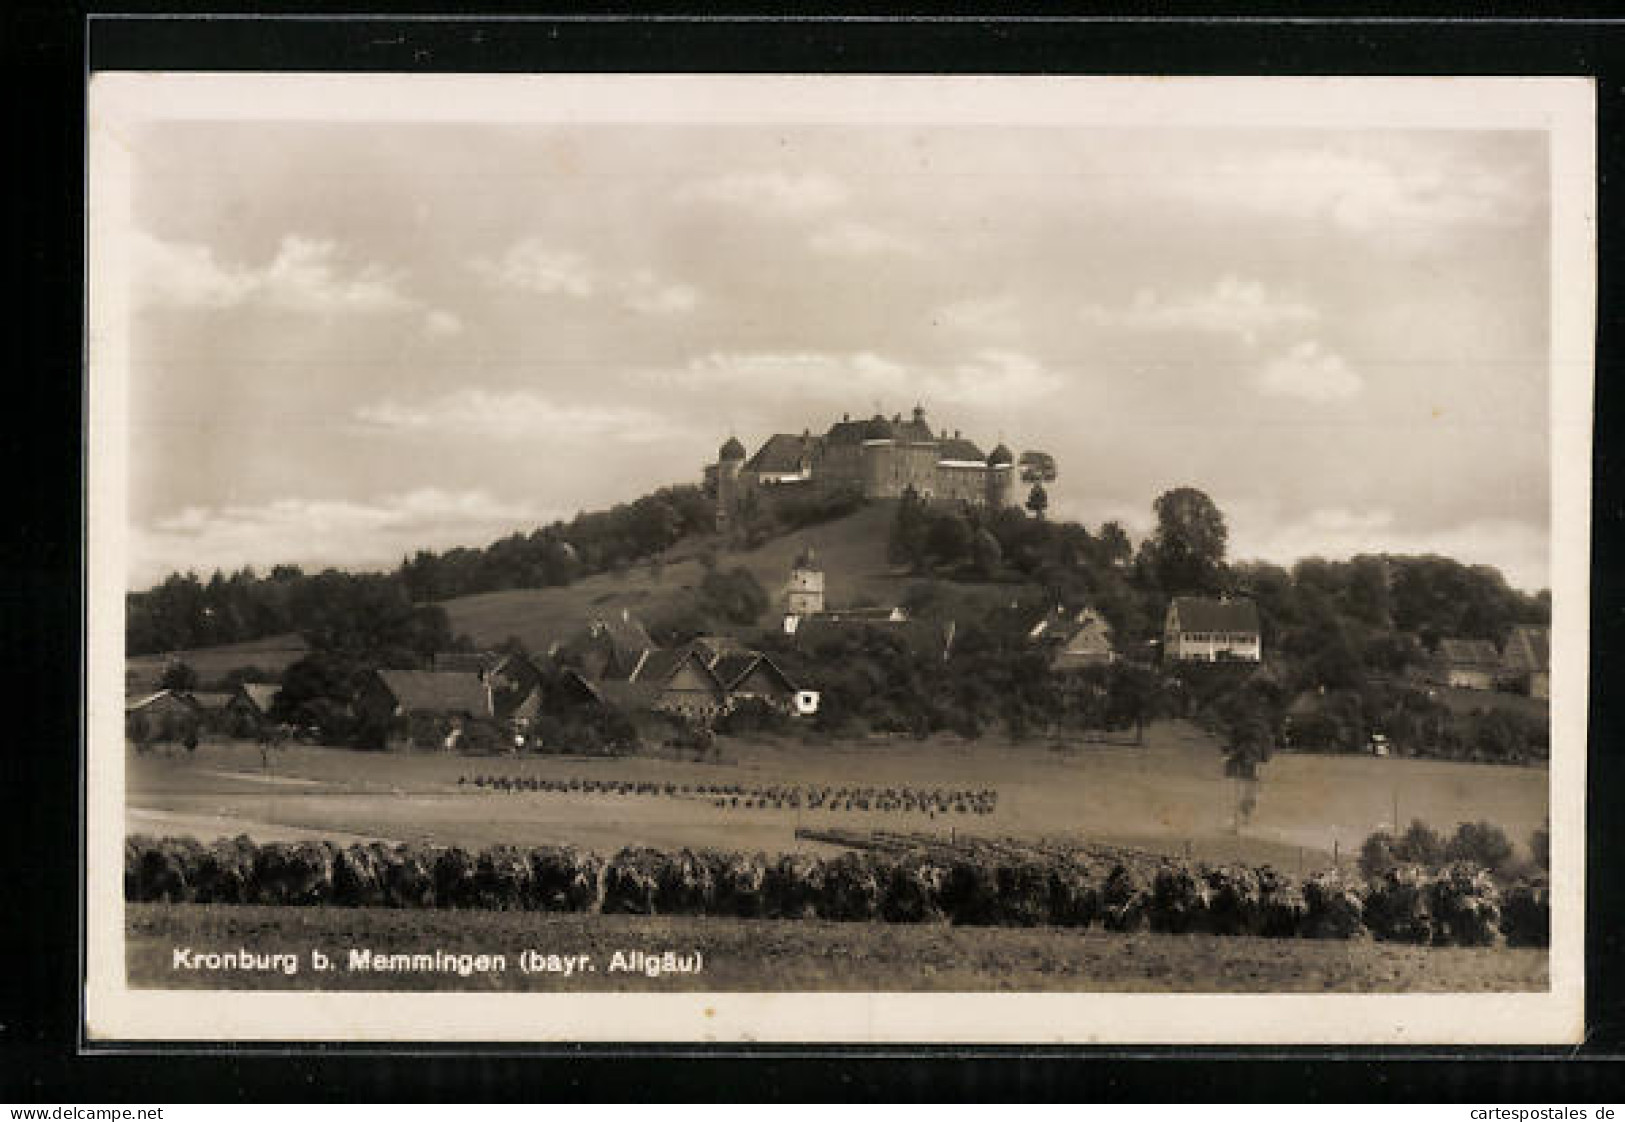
x: 852, y: 551
x: 744, y: 955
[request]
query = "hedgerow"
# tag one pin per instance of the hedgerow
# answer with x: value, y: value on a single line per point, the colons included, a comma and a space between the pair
x: 895, y: 880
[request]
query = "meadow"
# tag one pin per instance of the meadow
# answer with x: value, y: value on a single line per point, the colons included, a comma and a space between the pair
x: 1169, y: 796
x: 741, y: 955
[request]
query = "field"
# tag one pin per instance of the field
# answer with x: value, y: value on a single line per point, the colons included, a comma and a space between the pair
x: 1168, y: 796
x: 754, y: 955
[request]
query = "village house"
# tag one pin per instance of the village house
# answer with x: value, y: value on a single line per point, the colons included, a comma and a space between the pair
x: 1205, y: 629
x: 252, y: 701
x: 679, y: 681
x: 1526, y: 664
x: 161, y: 705
x: 1075, y: 641
x: 1469, y: 664
x: 416, y: 705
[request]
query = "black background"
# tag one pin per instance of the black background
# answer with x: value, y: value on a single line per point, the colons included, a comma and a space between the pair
x: 47, y: 50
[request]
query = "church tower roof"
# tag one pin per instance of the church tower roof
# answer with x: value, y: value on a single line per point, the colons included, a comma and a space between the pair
x: 1000, y: 455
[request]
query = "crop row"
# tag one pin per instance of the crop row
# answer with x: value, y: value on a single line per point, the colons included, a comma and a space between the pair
x: 1460, y: 906
x: 777, y: 796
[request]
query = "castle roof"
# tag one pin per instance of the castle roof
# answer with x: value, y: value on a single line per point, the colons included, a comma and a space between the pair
x: 781, y: 454
x: 1001, y: 455
x: 732, y: 450
x: 957, y: 449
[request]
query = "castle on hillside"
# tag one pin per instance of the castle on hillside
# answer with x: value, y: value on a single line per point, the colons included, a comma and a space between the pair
x: 881, y: 459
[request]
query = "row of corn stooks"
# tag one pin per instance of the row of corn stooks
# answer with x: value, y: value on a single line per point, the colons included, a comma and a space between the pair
x: 972, y: 882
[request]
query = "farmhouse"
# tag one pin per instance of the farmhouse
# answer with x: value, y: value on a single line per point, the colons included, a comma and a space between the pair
x: 1526, y: 661
x: 674, y: 681
x: 877, y: 458
x: 451, y: 695
x: 1077, y: 641
x: 1470, y: 664
x: 1210, y: 630
x: 254, y: 700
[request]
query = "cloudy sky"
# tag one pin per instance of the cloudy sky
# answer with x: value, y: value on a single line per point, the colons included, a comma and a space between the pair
x: 352, y: 340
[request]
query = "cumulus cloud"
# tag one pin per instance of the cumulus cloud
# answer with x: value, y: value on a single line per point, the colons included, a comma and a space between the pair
x: 854, y: 239
x: 647, y: 294
x: 1358, y: 192
x: 320, y: 532
x: 1310, y: 372
x: 533, y: 266
x: 442, y: 324
x: 307, y: 275
x: 990, y: 377
x: 776, y: 194
x: 996, y: 315
x: 513, y: 415
x: 1233, y: 306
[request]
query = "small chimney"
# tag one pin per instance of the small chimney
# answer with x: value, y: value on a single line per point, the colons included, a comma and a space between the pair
x: 846, y: 416
x: 956, y: 434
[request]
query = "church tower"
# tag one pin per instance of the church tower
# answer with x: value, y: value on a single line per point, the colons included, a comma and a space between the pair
x: 806, y: 591
x: 730, y: 458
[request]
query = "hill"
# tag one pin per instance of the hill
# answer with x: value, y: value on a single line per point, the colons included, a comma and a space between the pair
x: 851, y: 550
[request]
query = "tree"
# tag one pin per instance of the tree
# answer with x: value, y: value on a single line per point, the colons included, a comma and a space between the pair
x: 1113, y: 544
x: 1480, y: 843
x: 178, y: 675
x: 1186, y: 551
x: 950, y: 538
x: 1540, y: 846
x: 1134, y: 696
x: 910, y: 526
x: 985, y: 553
x: 1038, y: 500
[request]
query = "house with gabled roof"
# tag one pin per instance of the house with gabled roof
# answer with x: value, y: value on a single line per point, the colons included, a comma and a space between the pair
x: 1212, y: 629
x: 1526, y: 660
x: 1085, y: 640
x: 675, y: 681
x: 1469, y: 664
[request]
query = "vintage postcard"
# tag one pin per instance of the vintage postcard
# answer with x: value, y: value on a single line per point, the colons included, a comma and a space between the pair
x: 837, y: 559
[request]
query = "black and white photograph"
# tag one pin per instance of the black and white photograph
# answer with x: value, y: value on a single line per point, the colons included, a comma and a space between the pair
x: 838, y: 559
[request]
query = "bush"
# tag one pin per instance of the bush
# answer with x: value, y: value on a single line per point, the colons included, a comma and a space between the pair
x: 1333, y: 908
x: 294, y: 873
x: 1234, y: 902
x: 686, y: 886
x: 502, y: 879
x: 1419, y: 845
x: 1074, y: 898
x: 741, y: 884
x: 1466, y: 907
x: 970, y: 892
x: 564, y: 879
x: 1283, y: 911
x: 358, y: 876
x: 793, y: 886
x: 852, y: 891
x: 455, y: 881
x: 913, y: 891
x: 1377, y: 855
x: 1124, y: 900
x: 1526, y: 915
x: 1179, y: 900
x: 1480, y: 843
x: 225, y: 873
x: 408, y: 878
x: 632, y: 882
x: 1398, y: 905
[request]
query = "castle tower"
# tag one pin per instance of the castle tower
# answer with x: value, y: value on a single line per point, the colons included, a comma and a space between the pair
x: 730, y: 458
x: 1001, y: 477
x: 805, y: 594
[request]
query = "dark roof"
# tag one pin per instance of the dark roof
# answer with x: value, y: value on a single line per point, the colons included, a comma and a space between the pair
x: 134, y: 703
x: 782, y: 453
x: 1001, y: 454
x: 627, y: 695
x: 878, y: 428
x: 1529, y: 648
x: 1468, y: 652
x: 955, y: 448
x: 732, y: 450
x: 429, y: 691
x: 625, y: 631
x: 732, y: 675
x: 732, y: 667
x: 847, y: 432
x: 1200, y: 613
